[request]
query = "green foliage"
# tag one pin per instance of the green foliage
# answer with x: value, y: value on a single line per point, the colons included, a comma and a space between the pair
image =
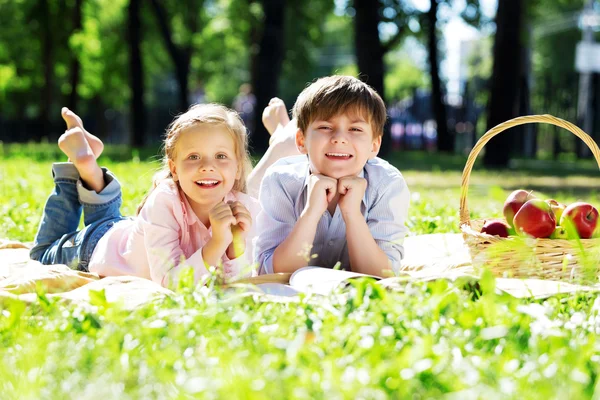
x: 403, y: 77
x: 426, y: 340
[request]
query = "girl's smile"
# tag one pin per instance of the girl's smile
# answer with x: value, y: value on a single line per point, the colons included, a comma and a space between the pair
x: 205, y: 165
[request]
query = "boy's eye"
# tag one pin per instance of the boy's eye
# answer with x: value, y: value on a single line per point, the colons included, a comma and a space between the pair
x: 356, y: 129
x: 324, y: 128
x: 193, y: 157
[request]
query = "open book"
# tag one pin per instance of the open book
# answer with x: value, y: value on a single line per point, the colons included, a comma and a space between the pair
x: 307, y: 279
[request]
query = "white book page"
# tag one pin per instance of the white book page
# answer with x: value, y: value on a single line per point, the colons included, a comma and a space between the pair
x: 321, y: 280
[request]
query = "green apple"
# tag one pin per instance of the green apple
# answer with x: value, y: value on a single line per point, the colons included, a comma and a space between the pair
x: 559, y: 233
x: 557, y: 208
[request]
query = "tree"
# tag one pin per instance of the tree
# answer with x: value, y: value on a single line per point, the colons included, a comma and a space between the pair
x: 445, y: 142
x: 136, y: 75
x: 369, y: 47
x: 181, y: 53
x: 504, y: 94
x: 48, y: 68
x: 472, y: 15
x: 75, y: 68
x: 269, y: 59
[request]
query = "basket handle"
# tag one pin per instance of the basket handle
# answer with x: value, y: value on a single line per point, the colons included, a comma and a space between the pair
x: 549, y: 119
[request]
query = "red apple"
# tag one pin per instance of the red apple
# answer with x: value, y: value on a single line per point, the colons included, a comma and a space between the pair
x: 496, y: 228
x: 514, y: 202
x: 535, y: 218
x: 557, y: 208
x: 582, y: 216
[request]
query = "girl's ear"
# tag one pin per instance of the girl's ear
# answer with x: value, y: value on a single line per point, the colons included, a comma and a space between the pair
x: 375, y: 146
x: 300, y: 142
x: 173, y: 170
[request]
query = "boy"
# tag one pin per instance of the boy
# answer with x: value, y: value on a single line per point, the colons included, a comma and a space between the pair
x: 339, y: 202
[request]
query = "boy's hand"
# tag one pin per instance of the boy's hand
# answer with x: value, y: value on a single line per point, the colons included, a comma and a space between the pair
x: 275, y: 114
x: 351, y: 190
x: 321, y: 190
x: 221, y: 221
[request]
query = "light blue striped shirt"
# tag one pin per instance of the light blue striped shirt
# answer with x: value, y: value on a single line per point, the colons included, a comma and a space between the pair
x: 283, y: 196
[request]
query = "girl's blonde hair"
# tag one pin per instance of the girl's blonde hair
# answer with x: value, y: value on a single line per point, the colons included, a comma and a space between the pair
x: 198, y: 115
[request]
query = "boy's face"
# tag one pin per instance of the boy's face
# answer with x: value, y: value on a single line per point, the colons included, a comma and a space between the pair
x: 339, y: 146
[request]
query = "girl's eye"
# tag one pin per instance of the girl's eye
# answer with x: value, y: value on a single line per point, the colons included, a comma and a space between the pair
x: 221, y: 156
x: 193, y: 157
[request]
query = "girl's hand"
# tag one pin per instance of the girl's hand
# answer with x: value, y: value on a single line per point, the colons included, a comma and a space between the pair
x: 222, y: 220
x: 243, y: 218
x: 240, y: 230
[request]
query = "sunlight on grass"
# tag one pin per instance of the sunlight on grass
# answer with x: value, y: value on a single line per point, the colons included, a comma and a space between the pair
x: 423, y: 341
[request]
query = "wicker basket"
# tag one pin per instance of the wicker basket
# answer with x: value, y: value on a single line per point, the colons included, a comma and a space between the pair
x: 519, y: 257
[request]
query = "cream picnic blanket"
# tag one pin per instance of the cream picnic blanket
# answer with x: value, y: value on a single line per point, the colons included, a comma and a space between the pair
x: 436, y: 256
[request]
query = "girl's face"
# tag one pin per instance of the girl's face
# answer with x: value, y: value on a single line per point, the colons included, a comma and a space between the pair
x: 205, y: 165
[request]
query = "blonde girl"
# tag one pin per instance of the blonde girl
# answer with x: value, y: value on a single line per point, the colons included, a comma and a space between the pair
x: 196, y: 214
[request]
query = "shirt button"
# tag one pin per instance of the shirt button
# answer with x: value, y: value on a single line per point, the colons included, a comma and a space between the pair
x: 330, y: 243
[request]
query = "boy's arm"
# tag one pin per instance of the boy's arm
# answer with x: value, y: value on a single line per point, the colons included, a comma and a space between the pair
x: 365, y: 255
x: 375, y: 244
x: 294, y: 252
x: 283, y: 240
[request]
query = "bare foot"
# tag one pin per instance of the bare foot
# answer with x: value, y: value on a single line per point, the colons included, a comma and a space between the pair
x: 73, y: 121
x: 75, y: 145
x: 275, y: 115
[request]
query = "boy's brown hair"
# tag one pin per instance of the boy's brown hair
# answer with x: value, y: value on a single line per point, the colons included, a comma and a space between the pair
x: 337, y: 94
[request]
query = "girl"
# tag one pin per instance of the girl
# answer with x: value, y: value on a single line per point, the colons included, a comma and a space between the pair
x: 196, y: 214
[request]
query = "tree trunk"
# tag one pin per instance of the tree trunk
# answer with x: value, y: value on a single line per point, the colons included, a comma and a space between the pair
x: 445, y: 141
x: 136, y: 75
x: 504, y: 96
x: 75, y: 66
x: 180, y: 57
x: 48, y: 66
x: 265, y: 82
x: 182, y: 71
x: 370, y: 52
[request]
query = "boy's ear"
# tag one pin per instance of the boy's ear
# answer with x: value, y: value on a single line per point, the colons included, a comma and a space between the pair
x: 300, y: 142
x: 376, y: 145
x: 173, y: 170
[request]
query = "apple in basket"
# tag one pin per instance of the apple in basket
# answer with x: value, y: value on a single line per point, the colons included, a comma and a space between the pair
x: 582, y: 216
x: 514, y: 202
x: 496, y: 228
x: 557, y: 208
x: 535, y: 218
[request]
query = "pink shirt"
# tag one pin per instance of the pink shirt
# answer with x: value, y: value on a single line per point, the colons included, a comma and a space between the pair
x: 166, y: 237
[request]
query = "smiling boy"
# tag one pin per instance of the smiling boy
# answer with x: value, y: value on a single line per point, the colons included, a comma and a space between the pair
x: 338, y: 202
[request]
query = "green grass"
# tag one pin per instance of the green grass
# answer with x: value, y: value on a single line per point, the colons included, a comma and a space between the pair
x: 430, y: 340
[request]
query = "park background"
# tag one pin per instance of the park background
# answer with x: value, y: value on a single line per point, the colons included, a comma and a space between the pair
x: 448, y: 71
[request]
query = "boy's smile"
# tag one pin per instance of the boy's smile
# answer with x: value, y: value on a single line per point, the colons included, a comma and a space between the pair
x: 339, y: 146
